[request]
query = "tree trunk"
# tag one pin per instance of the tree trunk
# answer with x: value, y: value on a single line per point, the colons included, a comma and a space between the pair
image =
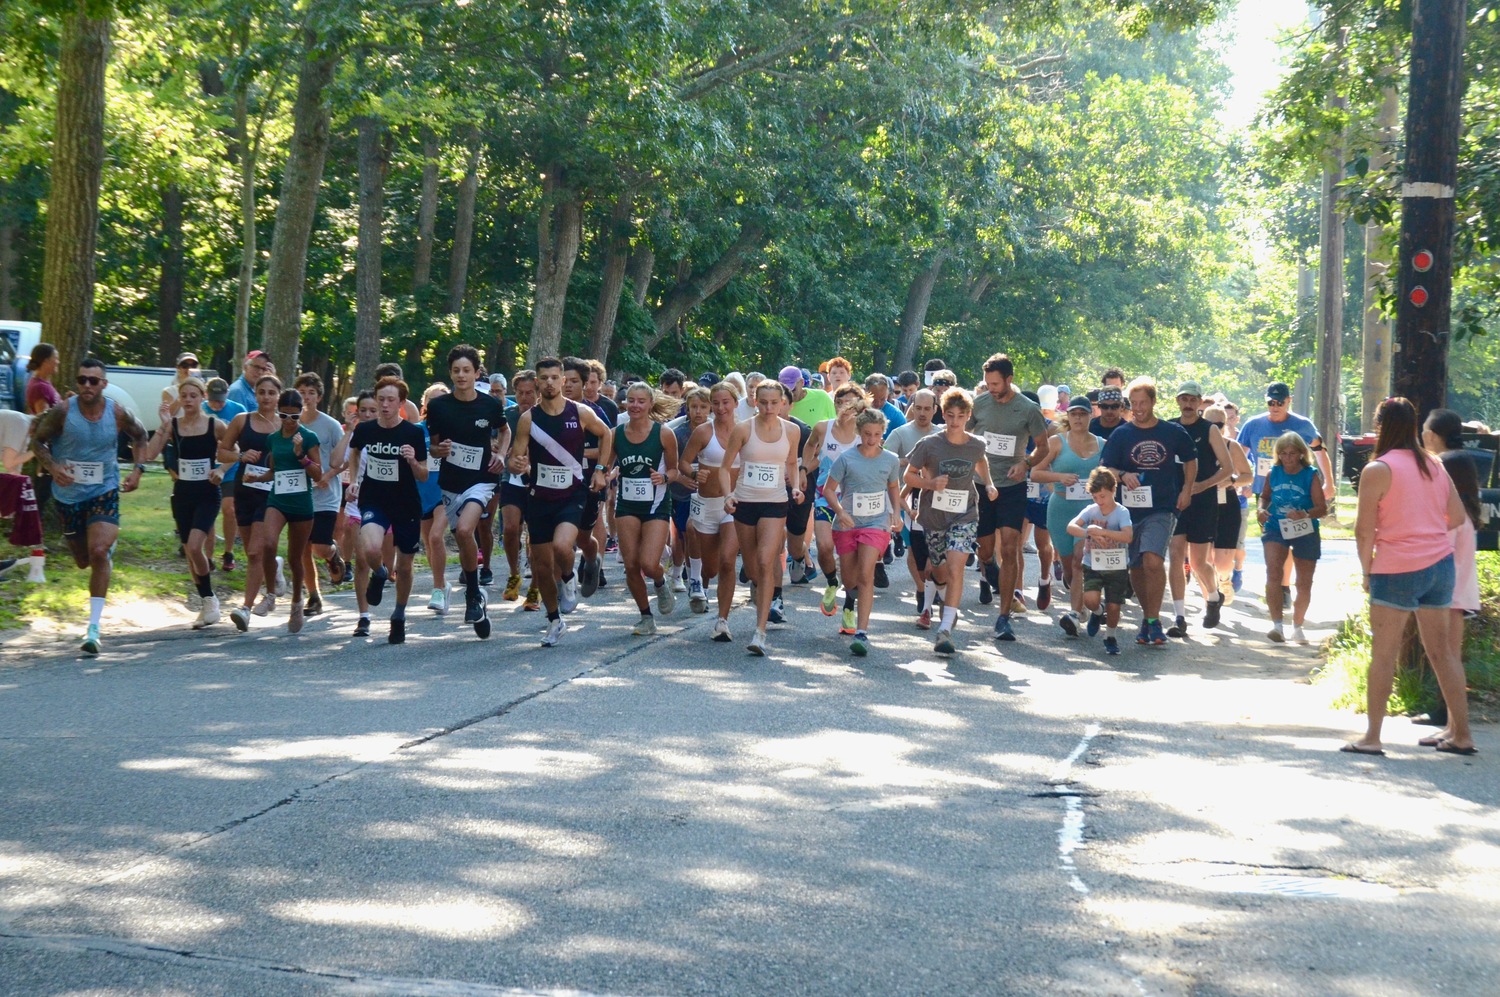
x: 1327, y: 393
x: 638, y: 272
x: 372, y: 169
x: 698, y: 288
x: 421, y: 273
x: 559, y: 232
x: 977, y: 290
x: 914, y: 315
x: 616, y: 258
x: 1376, y: 337
x: 247, y: 155
x: 286, y: 276
x: 169, y: 289
x: 73, y: 200
x: 463, y: 229
x: 8, y: 271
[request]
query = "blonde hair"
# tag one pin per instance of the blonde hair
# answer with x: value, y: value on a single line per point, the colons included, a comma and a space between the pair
x: 192, y: 382
x: 725, y: 386
x: 663, y: 405
x: 1297, y: 443
x: 697, y: 393
x: 869, y: 417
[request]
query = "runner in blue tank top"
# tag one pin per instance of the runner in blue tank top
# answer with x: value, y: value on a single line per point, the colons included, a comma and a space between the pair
x: 75, y: 442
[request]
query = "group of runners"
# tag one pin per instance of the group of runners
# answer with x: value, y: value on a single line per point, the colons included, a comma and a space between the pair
x: 742, y: 480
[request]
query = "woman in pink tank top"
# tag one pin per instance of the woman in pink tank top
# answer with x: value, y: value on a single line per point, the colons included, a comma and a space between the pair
x: 1407, y: 505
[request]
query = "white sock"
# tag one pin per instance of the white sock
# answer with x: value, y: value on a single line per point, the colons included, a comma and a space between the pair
x: 1110, y: 631
x: 1045, y: 583
x: 96, y: 609
x: 950, y: 618
x: 931, y: 589
x: 695, y: 569
x: 1179, y: 607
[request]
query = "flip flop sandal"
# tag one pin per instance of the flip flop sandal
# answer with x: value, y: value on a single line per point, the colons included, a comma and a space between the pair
x: 1448, y: 747
x: 1353, y: 749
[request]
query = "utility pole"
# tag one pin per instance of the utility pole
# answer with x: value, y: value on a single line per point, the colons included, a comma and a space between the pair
x: 1426, y: 251
x: 1376, y: 338
x: 1327, y: 395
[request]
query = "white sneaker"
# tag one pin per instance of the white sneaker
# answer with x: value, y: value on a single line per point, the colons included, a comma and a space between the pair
x: 265, y: 606
x: 567, y: 596
x: 280, y: 578
x: 646, y: 627
x: 438, y: 603
x: 678, y: 585
x: 1298, y: 635
x: 696, y: 596
x: 721, y: 630
x: 209, y: 614
x: 1275, y: 633
x: 757, y: 645
x: 555, y: 630
x: 665, y: 600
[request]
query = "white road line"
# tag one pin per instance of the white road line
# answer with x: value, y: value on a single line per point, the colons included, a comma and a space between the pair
x: 1070, y: 834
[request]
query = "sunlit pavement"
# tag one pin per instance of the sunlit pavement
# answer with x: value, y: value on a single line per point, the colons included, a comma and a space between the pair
x: 226, y: 813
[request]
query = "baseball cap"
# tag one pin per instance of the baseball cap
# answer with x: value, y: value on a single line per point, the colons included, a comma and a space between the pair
x: 1108, y: 396
x: 708, y: 379
x: 790, y: 376
x: 187, y: 358
x: 1190, y: 388
x: 216, y: 388
x: 1277, y: 391
x: 1063, y: 389
x: 1081, y: 402
x: 257, y: 355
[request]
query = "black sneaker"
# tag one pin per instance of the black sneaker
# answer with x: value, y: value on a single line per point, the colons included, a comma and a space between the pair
x: 1111, y: 646
x: 588, y: 576
x: 398, y: 632
x: 1211, y: 613
x: 603, y: 582
x: 473, y: 607
x: 362, y: 628
x: 985, y: 595
x: 777, y: 616
x: 744, y: 578
x: 882, y: 580
x: 486, y: 577
x: 897, y: 544
x: 1068, y: 624
x: 314, y: 606
x: 1178, y: 629
x: 1095, y: 621
x: 375, y: 590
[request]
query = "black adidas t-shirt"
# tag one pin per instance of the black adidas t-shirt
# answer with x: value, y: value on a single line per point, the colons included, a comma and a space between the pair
x: 388, y: 483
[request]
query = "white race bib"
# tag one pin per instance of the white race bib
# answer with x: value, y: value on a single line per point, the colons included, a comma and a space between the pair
x: 260, y: 486
x: 1112, y: 559
x: 637, y: 490
x: 763, y: 475
x: 382, y: 469
x: 1138, y: 498
x: 434, y: 463
x: 1078, y: 491
x: 951, y: 500
x: 867, y: 504
x: 468, y: 458
x: 291, y: 482
x: 695, y: 507
x: 1291, y: 529
x: 999, y: 444
x: 86, y: 472
x: 1223, y: 495
x: 1263, y: 466
x: 194, y: 470
x: 1033, y: 490
x: 554, y: 477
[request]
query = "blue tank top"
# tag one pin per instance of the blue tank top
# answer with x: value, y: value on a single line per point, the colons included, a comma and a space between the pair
x: 89, y: 447
x: 1067, y: 462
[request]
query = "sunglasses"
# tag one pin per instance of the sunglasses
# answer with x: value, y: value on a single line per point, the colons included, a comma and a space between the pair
x: 1276, y: 402
x: 1110, y: 408
x: 91, y: 382
x: 1215, y: 422
x: 290, y: 415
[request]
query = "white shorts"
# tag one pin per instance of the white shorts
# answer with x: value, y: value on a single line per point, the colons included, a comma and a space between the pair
x: 707, y: 514
x: 480, y: 494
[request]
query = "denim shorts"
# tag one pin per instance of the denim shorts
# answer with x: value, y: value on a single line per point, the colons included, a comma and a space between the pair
x: 1428, y: 588
x: 1308, y: 548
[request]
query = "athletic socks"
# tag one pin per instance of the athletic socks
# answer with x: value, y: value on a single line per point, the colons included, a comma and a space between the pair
x: 399, y: 613
x: 205, y: 587
x: 931, y: 589
x: 471, y: 581
x: 776, y: 594
x: 849, y: 598
x: 96, y: 609
x: 553, y: 616
x: 695, y: 569
x: 1179, y: 607
x: 833, y: 578
x: 950, y: 618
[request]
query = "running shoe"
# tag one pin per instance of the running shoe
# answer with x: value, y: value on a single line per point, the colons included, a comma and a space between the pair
x: 1143, y: 636
x: 1003, y: 630
x: 280, y: 577
x: 1275, y: 632
x: 482, y: 628
x: 338, y: 568
x: 1158, y: 638
x: 603, y: 582
x: 294, y: 619
x: 554, y: 633
x: 848, y: 622
x: 898, y: 545
x: 1179, y: 629
x: 567, y: 595
x: 985, y: 593
x: 398, y: 631
x: 1211, y: 613
x: 1057, y: 574
x: 882, y: 580
x: 697, y: 600
x: 512, y: 589
x: 1028, y: 548
x: 744, y: 578
x: 678, y: 585
x: 240, y: 617
x: 1069, y: 624
x: 757, y: 645
x: 375, y: 589
x: 486, y: 576
x: 796, y: 571
x: 721, y: 630
x: 646, y: 627
x: 1111, y: 646
x: 1096, y: 620
x: 533, y: 600
x: 362, y: 628
x: 1043, y: 596
x: 778, y: 611
x: 859, y: 646
x: 611, y: 545
x: 924, y: 620
x: 226, y: 563
x: 90, y: 645
x: 438, y: 601
x: 265, y: 606
x: 944, y: 642
x: 1298, y: 636
x: 665, y: 600
x: 209, y: 614
x: 1018, y: 602
x: 1237, y: 579
x: 314, y: 605
x: 1226, y: 592
x: 587, y: 577
x: 830, y: 600
x: 473, y: 606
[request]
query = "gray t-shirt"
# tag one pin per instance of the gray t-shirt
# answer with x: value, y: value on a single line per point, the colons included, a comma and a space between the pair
x: 328, y: 431
x: 859, y: 479
x: 682, y: 430
x: 1006, y: 429
x: 937, y: 456
x: 1092, y: 515
x: 903, y: 438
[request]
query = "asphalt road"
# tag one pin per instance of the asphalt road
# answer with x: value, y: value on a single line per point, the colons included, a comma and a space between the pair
x: 220, y: 813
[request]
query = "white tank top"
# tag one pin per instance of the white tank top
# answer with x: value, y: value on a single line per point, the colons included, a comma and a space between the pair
x: 763, y: 467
